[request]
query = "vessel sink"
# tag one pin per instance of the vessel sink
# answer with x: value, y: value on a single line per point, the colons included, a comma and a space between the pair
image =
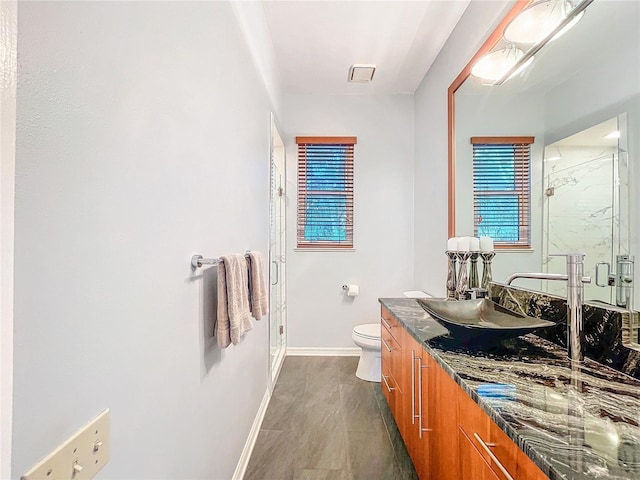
x: 481, y: 320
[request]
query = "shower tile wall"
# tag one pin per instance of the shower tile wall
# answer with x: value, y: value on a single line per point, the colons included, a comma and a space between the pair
x: 579, y: 216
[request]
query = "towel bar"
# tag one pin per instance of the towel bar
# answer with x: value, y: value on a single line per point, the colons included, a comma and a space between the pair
x: 197, y: 261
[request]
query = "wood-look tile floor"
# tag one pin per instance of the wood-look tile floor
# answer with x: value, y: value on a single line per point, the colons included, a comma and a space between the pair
x: 324, y: 423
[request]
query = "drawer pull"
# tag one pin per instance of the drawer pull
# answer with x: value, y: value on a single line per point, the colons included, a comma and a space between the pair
x: 485, y: 447
x: 420, y: 428
x: 386, y: 344
x: 384, y: 378
x: 413, y: 388
x: 384, y: 322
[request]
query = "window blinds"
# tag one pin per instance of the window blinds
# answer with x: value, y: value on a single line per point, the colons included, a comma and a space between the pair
x: 325, y: 192
x: 502, y: 190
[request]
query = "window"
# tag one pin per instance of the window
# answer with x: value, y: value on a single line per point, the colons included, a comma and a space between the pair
x: 325, y: 192
x: 502, y: 190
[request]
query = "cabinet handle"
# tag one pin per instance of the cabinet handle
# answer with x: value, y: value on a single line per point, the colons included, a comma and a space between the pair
x: 384, y: 378
x: 420, y: 367
x: 413, y: 387
x: 485, y: 447
x: 384, y: 322
x: 386, y: 344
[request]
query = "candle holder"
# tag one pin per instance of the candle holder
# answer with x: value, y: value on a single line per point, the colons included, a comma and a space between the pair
x: 473, y: 270
x: 451, y: 275
x: 487, y: 257
x: 463, y: 276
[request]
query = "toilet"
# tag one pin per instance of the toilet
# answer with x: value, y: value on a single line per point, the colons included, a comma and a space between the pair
x: 367, y: 337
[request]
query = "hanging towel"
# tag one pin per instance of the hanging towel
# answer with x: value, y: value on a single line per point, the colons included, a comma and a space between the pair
x: 223, y: 329
x: 234, y: 298
x: 257, y: 287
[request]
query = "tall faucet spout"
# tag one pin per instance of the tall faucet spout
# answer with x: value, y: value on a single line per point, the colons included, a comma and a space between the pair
x: 575, y: 291
x: 535, y: 276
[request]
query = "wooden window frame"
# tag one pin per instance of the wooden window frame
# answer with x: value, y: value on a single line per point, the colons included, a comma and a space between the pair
x: 301, y: 242
x: 523, y: 192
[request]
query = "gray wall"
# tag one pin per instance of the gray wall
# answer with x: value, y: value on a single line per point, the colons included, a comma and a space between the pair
x: 142, y: 138
x: 319, y: 314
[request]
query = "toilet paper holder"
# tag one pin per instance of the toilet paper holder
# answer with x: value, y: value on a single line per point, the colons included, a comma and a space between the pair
x: 352, y: 290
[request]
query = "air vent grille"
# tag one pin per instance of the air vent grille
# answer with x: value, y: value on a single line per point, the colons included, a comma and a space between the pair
x: 359, y: 73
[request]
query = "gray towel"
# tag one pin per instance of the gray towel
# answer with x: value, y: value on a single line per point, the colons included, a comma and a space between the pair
x: 234, y: 316
x: 257, y: 286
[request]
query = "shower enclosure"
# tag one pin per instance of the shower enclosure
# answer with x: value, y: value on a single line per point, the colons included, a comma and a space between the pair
x: 277, y: 227
x: 586, y: 203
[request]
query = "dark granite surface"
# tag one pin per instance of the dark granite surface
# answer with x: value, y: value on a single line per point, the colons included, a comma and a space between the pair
x: 575, y: 423
x: 611, y: 333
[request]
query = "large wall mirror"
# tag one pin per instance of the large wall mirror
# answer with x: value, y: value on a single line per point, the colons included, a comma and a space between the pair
x: 580, y: 100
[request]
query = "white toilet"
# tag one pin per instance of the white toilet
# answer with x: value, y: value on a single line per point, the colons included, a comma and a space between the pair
x: 367, y: 337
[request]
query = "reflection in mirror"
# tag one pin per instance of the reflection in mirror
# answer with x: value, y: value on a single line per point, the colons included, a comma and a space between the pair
x: 587, y: 77
x: 585, y: 183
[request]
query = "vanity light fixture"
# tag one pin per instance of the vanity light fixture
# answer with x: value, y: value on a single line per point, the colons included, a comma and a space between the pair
x: 563, y: 26
x: 538, y: 20
x: 494, y: 65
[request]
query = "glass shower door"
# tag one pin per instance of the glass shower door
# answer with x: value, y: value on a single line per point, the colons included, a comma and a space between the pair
x: 277, y: 294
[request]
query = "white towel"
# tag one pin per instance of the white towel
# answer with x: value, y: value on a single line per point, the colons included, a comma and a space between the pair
x: 234, y: 316
x: 257, y: 286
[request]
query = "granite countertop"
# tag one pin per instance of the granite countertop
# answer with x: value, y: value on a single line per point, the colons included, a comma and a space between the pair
x: 575, y: 423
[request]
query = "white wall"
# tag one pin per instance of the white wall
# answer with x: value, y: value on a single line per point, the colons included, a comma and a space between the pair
x: 8, y: 67
x: 430, y: 184
x: 319, y: 314
x: 142, y: 138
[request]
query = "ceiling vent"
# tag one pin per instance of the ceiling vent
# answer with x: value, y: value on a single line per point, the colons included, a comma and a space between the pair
x: 359, y: 73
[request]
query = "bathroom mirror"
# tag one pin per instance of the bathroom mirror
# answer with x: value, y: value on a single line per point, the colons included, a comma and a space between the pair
x: 588, y: 76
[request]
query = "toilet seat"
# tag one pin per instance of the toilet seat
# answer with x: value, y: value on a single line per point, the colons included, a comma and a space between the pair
x: 369, y: 331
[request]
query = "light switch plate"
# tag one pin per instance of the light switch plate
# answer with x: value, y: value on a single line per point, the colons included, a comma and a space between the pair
x: 80, y: 457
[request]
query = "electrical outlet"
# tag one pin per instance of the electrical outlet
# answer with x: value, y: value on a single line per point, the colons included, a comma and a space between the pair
x: 80, y: 457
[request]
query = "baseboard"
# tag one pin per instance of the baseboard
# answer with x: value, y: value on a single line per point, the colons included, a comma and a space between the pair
x: 324, y: 351
x: 241, y: 468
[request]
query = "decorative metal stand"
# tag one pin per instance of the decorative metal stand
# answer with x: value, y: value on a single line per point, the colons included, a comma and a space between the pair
x: 487, y: 257
x: 473, y: 270
x: 463, y: 278
x: 451, y: 275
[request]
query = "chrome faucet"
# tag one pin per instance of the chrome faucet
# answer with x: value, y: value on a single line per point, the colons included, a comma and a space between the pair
x: 575, y: 291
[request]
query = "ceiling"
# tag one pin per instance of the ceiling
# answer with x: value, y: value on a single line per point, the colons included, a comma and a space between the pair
x: 315, y: 42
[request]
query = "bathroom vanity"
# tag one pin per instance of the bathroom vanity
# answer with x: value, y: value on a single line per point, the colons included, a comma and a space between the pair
x: 519, y: 411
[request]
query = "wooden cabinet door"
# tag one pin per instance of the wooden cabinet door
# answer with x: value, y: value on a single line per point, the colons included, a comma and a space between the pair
x: 408, y: 426
x: 442, y: 417
x: 415, y: 402
x: 472, y: 464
